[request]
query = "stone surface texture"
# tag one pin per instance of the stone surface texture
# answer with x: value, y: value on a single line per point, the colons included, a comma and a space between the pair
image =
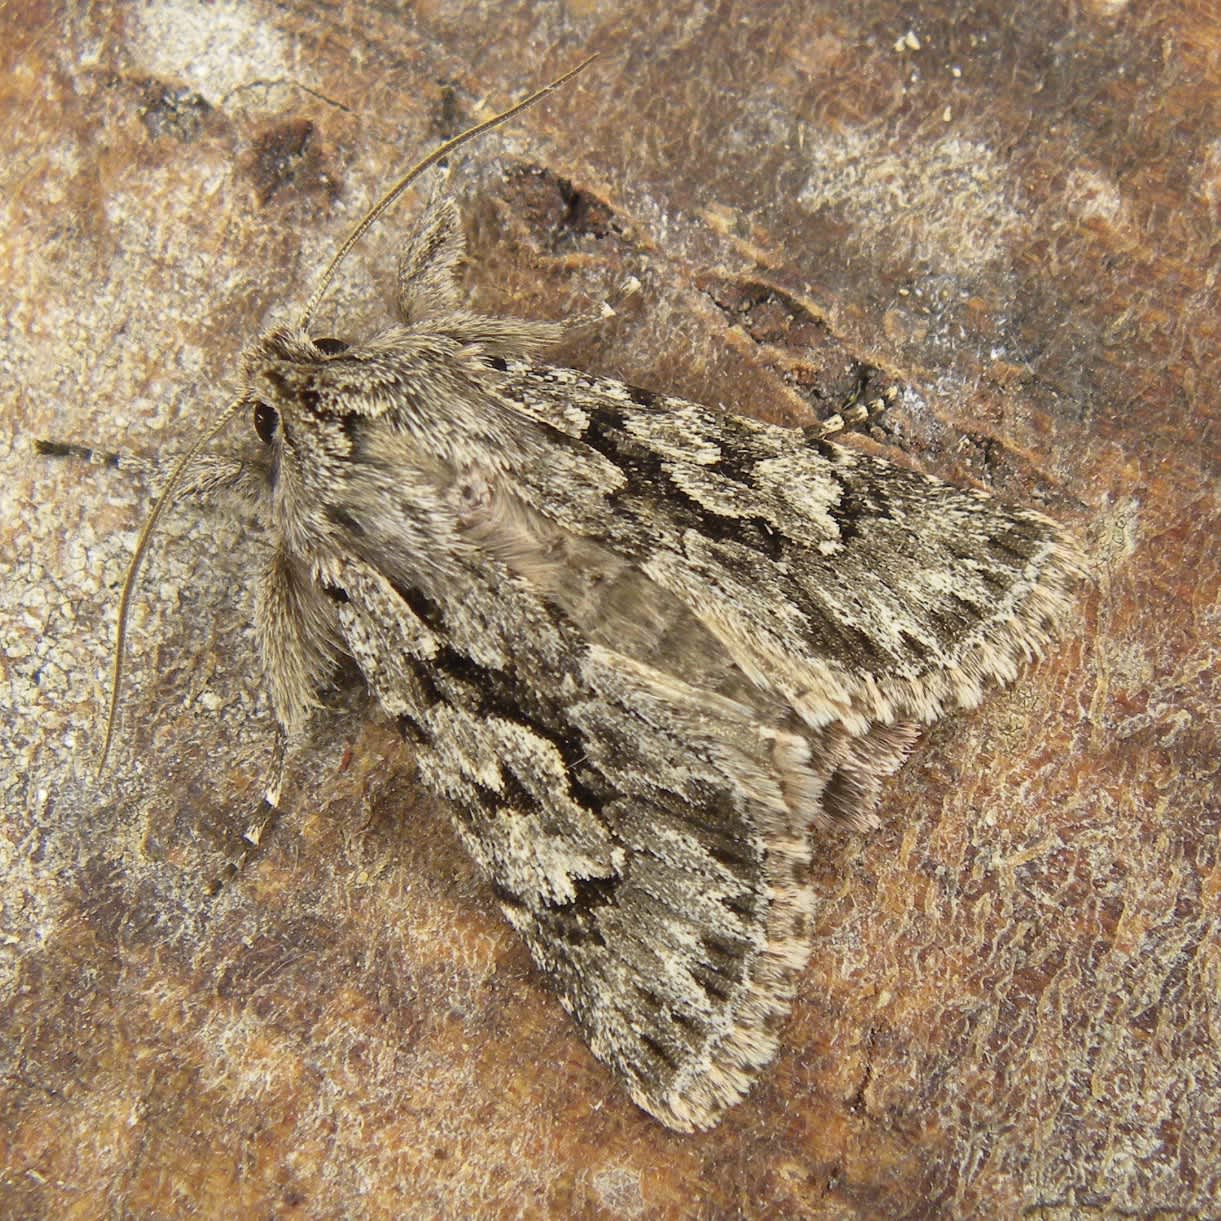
x: 1009, y: 211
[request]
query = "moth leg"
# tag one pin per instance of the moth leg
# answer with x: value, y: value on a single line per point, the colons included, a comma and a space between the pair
x: 116, y: 459
x: 854, y: 411
x: 297, y: 626
x: 298, y: 633
x: 428, y: 264
x: 261, y: 822
x: 209, y: 478
x: 605, y: 309
x: 270, y: 809
x: 428, y: 287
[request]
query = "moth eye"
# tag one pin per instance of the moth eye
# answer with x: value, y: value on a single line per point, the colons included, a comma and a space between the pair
x: 330, y: 347
x: 265, y: 422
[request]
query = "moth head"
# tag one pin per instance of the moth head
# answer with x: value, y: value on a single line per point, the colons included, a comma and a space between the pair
x: 264, y: 413
x: 280, y: 356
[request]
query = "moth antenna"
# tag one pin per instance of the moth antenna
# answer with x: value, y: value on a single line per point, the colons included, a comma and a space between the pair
x: 133, y: 571
x: 442, y: 150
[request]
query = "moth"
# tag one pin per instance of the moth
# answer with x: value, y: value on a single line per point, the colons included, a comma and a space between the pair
x: 646, y: 650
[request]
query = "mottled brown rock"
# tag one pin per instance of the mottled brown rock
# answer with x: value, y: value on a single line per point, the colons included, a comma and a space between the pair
x: 1012, y: 214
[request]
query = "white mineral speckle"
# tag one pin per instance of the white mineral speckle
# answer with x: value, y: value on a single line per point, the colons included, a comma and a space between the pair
x: 213, y: 47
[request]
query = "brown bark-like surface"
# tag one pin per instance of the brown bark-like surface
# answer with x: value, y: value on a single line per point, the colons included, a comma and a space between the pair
x: 1009, y: 211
